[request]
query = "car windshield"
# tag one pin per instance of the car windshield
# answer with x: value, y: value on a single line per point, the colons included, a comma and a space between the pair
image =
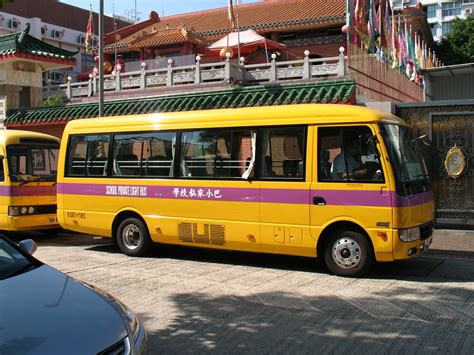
x: 33, y: 162
x: 12, y: 262
x: 408, y: 163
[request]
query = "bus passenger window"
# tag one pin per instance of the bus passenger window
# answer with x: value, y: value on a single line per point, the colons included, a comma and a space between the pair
x: 76, y: 158
x: 97, y: 155
x: 283, y: 149
x: 158, y: 154
x: 217, y: 154
x: 2, y: 171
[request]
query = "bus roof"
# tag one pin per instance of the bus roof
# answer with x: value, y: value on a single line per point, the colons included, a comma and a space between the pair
x: 13, y: 136
x: 236, y: 117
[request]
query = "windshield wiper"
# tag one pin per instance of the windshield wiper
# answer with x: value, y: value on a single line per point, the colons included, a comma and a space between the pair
x: 18, y: 271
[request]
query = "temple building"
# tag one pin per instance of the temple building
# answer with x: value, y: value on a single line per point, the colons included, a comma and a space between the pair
x: 23, y: 59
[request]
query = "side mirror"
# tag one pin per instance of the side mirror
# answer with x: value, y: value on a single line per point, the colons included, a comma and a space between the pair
x: 29, y: 246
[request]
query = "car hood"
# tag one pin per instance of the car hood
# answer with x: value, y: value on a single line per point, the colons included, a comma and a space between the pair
x: 44, y: 311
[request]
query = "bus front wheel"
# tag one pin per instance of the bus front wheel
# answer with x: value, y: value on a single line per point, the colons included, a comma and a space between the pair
x: 133, y: 237
x: 349, y: 254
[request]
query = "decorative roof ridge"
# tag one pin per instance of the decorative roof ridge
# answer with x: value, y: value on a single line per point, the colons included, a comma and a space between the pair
x: 249, y: 88
x: 241, y: 6
x: 275, y: 24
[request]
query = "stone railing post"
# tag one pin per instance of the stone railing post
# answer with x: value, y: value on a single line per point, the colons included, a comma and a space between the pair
x: 227, y: 69
x: 90, y: 88
x: 341, y: 68
x: 94, y: 83
x: 306, y: 66
x: 169, y: 77
x: 243, y: 73
x: 118, y: 81
x: 273, y: 69
x: 143, y: 76
x: 197, y: 71
x: 69, y: 88
x: 48, y: 87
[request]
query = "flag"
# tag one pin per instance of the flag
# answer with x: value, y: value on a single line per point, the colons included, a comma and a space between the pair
x: 89, y: 32
x: 230, y: 16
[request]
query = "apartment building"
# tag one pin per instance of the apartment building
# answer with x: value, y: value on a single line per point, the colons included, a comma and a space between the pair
x: 440, y: 13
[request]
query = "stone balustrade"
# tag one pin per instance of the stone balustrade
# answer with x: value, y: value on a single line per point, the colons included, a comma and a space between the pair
x: 227, y: 72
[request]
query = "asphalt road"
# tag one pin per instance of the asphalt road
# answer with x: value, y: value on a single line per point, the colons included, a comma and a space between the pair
x: 198, y: 301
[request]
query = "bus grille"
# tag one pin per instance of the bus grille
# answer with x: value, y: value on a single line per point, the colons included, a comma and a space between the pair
x: 213, y: 233
x: 426, y: 231
x: 46, y: 209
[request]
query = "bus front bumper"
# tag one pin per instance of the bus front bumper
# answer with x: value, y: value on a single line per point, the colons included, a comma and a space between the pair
x: 406, y: 250
x: 32, y: 222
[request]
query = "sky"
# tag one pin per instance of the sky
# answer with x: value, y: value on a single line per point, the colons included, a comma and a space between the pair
x: 162, y: 7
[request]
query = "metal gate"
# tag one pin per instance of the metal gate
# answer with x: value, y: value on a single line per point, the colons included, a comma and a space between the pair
x: 452, y: 168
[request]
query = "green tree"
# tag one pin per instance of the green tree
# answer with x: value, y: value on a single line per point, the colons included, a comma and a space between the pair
x: 4, y: 2
x: 54, y: 100
x: 458, y: 46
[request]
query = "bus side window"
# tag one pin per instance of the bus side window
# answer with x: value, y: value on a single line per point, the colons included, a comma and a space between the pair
x: 97, y: 155
x: 283, y: 153
x: 348, y: 154
x: 225, y: 153
x: 158, y: 154
x: 2, y: 171
x: 76, y: 158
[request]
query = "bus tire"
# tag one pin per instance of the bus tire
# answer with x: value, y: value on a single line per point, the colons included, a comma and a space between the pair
x: 348, y: 254
x: 133, y: 237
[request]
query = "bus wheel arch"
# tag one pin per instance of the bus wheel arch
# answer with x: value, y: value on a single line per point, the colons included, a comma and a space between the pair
x: 130, y: 232
x: 352, y: 239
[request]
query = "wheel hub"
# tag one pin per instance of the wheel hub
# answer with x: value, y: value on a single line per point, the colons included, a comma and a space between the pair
x: 346, y: 253
x: 131, y: 236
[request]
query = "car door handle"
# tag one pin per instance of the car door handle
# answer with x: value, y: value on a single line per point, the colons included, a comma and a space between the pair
x: 319, y: 201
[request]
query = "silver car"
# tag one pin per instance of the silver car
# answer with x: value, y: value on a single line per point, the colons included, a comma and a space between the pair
x: 43, y: 311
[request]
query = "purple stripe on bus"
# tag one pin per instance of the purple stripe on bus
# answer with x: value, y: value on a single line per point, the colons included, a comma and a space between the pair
x: 372, y: 198
x: 17, y: 191
x: 413, y: 200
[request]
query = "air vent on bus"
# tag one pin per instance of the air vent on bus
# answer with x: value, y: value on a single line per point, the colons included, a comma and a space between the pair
x: 185, y: 232
x: 210, y: 233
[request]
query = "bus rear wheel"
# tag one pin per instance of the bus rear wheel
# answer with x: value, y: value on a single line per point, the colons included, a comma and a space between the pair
x: 349, y: 254
x: 133, y: 237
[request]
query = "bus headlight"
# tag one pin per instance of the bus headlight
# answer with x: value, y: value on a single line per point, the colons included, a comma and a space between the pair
x: 13, y: 211
x: 31, y: 210
x: 24, y: 210
x: 409, y: 235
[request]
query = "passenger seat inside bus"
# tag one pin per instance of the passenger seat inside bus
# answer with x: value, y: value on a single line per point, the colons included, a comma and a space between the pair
x: 123, y: 168
x: 157, y: 165
x: 292, y: 168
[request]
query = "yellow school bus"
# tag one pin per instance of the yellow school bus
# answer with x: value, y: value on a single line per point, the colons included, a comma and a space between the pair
x: 340, y: 182
x: 28, y: 180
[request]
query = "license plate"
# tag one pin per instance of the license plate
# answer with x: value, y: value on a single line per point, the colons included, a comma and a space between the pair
x: 52, y: 220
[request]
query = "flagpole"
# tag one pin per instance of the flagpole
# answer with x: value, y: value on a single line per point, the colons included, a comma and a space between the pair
x: 101, y: 58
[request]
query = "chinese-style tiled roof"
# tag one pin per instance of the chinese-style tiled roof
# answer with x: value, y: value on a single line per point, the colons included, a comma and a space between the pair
x: 21, y: 43
x: 156, y: 38
x: 262, y: 17
x: 329, y: 91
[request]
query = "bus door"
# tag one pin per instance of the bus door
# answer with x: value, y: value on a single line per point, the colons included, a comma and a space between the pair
x: 284, y: 154
x: 350, y: 183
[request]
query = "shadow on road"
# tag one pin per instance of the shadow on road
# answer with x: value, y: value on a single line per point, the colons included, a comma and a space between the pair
x: 385, y: 322
x: 421, y: 269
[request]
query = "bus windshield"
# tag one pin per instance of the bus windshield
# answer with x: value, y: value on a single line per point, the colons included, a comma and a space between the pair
x: 33, y: 162
x: 408, y: 164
